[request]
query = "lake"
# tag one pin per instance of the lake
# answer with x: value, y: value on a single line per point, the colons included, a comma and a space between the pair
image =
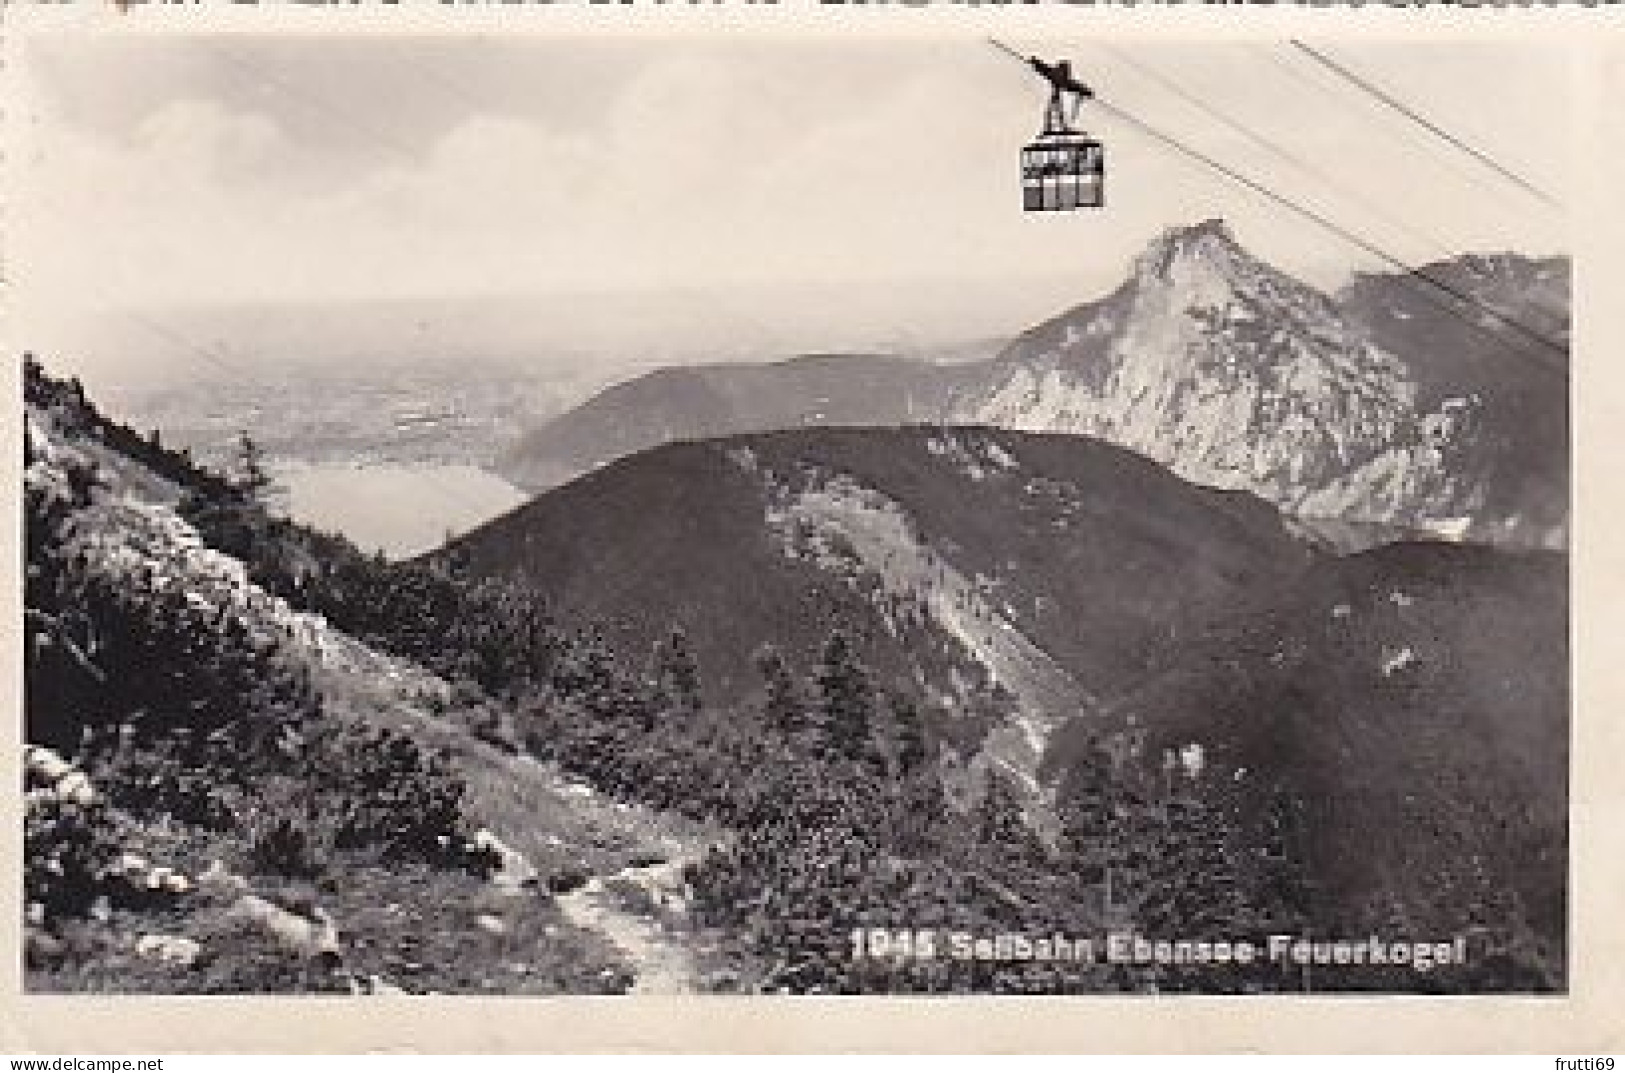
x: 403, y: 510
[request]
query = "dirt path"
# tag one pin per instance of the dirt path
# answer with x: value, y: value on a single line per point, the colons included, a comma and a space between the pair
x: 548, y: 825
x: 661, y: 963
x: 555, y: 825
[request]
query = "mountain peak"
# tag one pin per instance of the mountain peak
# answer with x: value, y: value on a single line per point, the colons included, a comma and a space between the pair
x: 1208, y: 234
x: 1202, y: 266
x: 1213, y: 227
x: 1210, y: 240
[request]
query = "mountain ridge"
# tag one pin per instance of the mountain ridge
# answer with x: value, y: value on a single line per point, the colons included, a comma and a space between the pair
x: 1374, y: 405
x: 959, y: 559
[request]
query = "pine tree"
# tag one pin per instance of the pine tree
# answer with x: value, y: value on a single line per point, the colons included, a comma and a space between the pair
x: 1282, y: 893
x: 998, y: 817
x: 1183, y: 841
x: 911, y: 742
x: 587, y: 675
x: 847, y: 700
x: 782, y: 708
x: 1088, y: 838
x: 1008, y: 851
x: 677, y: 674
x: 252, y: 481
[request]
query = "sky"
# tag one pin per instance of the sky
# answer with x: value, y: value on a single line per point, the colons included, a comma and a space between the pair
x: 687, y: 196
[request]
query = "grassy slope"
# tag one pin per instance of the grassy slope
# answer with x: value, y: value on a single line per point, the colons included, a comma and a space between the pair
x: 415, y: 927
x: 1091, y: 551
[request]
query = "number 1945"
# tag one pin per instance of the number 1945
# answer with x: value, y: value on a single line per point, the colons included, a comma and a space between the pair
x: 893, y: 943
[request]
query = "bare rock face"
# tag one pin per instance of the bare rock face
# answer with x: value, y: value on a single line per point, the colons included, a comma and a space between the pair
x: 1390, y: 405
x: 1235, y: 375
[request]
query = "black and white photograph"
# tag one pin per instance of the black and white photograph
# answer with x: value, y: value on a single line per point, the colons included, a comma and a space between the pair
x: 769, y: 514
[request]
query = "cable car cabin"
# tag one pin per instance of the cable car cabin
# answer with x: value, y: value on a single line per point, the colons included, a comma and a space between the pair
x: 1060, y: 172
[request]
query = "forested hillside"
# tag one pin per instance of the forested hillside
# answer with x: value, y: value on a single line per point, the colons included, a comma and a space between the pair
x: 225, y: 793
x: 283, y: 730
x: 1406, y: 711
x: 1001, y: 582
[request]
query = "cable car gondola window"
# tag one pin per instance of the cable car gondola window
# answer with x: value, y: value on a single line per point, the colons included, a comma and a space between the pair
x: 1062, y: 172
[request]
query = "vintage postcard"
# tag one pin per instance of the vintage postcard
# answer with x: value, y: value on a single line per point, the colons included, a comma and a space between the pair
x: 784, y: 504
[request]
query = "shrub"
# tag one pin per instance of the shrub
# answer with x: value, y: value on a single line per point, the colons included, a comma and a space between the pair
x: 289, y: 846
x: 67, y: 848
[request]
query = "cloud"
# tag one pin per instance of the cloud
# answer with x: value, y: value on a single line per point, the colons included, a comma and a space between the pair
x: 704, y: 168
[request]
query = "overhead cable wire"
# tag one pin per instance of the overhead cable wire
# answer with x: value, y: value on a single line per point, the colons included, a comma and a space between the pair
x: 1306, y: 72
x: 1347, y: 235
x: 1393, y: 102
x: 1274, y: 147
